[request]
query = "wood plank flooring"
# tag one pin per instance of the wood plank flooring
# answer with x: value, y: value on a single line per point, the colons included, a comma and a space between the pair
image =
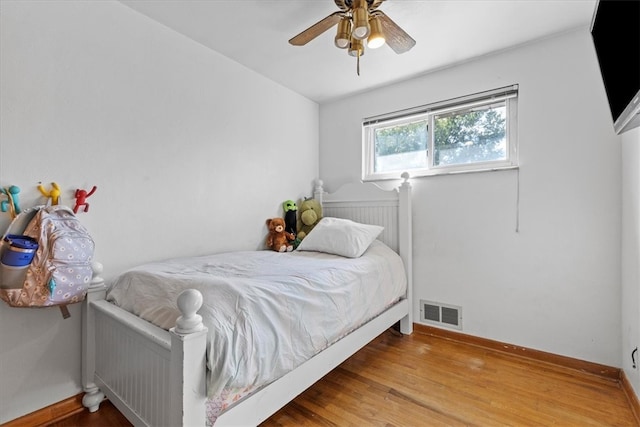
x: 423, y: 380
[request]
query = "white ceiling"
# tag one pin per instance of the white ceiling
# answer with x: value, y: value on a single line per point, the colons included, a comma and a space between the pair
x: 255, y: 33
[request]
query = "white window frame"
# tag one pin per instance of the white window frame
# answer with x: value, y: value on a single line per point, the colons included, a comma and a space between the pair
x: 507, y: 94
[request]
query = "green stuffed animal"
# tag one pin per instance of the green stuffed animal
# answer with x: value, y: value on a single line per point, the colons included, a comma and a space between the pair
x: 291, y: 219
x: 310, y: 214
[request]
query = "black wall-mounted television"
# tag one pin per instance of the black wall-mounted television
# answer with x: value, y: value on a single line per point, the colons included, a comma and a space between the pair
x: 615, y: 29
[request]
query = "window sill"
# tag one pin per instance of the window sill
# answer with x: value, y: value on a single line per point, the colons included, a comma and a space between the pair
x: 431, y: 174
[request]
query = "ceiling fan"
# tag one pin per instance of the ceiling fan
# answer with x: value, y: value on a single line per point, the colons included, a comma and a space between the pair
x: 359, y: 21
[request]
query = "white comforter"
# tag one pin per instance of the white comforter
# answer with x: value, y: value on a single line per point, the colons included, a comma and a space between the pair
x: 267, y: 312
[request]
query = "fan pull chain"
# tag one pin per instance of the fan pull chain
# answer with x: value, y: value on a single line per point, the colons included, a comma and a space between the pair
x: 358, y: 63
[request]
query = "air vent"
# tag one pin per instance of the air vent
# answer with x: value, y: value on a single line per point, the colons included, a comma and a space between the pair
x: 441, y: 314
x: 431, y: 312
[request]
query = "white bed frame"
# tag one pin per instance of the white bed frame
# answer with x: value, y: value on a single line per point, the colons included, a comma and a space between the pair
x: 157, y: 377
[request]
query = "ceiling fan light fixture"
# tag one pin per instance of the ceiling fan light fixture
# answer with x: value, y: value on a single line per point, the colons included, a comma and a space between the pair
x: 356, y: 48
x: 360, y: 18
x: 359, y: 23
x: 343, y: 34
x: 376, y: 38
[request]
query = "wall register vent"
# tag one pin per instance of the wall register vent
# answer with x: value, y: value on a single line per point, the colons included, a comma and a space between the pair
x: 440, y: 314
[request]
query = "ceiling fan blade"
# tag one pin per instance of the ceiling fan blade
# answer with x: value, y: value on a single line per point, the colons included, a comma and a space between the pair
x: 316, y: 29
x: 396, y: 37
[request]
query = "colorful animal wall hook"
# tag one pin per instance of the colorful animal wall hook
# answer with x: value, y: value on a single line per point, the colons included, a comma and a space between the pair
x: 12, y: 204
x: 81, y: 199
x: 53, y: 194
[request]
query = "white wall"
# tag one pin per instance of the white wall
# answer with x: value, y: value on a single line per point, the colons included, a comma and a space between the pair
x: 553, y: 284
x: 631, y: 255
x: 190, y: 151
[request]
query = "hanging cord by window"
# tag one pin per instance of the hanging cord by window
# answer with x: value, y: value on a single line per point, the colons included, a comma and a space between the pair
x: 518, y: 200
x: 633, y: 357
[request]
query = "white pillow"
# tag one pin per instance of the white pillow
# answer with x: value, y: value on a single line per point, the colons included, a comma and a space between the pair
x: 340, y: 237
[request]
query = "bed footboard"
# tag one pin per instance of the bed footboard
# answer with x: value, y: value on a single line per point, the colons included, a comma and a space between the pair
x: 154, y: 377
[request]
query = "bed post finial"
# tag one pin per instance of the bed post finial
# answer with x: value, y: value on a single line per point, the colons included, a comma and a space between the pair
x: 405, y: 176
x: 318, y: 191
x: 189, y: 302
x: 97, y: 279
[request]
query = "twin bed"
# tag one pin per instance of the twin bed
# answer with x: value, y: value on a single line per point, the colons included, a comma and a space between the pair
x: 230, y: 338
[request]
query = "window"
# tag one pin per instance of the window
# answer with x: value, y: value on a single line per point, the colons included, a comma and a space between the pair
x: 476, y: 132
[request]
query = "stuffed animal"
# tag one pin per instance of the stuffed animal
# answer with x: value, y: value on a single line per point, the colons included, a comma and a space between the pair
x: 279, y: 239
x: 291, y: 220
x: 310, y: 214
x: 290, y: 216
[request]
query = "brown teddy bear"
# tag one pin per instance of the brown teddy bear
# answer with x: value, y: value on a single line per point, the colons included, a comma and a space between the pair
x: 279, y: 239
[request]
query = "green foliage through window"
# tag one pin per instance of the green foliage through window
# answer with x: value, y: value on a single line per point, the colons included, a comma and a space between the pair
x: 401, y: 138
x: 466, y: 137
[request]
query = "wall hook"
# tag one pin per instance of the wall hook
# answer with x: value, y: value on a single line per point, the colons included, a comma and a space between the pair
x: 53, y: 194
x: 12, y: 204
x: 633, y: 357
x: 81, y: 199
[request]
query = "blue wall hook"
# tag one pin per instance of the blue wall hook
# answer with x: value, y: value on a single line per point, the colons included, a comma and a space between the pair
x: 13, y: 202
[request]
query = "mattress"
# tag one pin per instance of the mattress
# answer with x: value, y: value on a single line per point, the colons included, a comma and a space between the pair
x: 266, y: 312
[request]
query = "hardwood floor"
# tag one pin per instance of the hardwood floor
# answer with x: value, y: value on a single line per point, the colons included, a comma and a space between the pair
x: 106, y: 416
x: 423, y: 380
